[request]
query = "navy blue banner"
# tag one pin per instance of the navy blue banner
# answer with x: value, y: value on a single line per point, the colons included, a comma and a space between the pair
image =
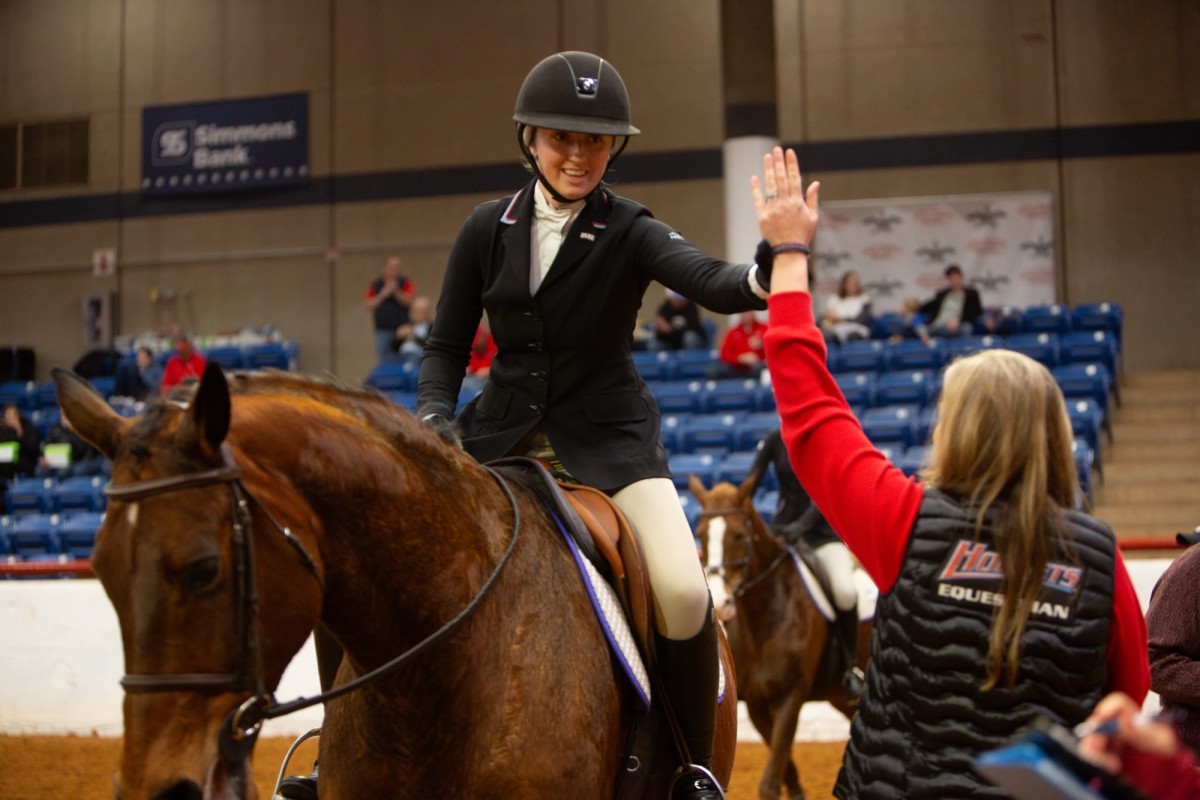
x: 231, y: 145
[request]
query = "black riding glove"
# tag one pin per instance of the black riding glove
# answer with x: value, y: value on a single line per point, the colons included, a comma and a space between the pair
x: 765, y: 259
x: 445, y: 428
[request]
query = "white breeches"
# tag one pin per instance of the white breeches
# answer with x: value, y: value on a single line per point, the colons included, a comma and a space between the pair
x: 839, y: 566
x: 676, y: 575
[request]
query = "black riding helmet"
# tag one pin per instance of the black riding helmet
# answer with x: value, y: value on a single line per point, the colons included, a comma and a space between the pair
x: 573, y: 91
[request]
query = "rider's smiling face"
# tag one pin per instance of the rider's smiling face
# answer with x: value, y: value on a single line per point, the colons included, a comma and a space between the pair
x: 573, y: 163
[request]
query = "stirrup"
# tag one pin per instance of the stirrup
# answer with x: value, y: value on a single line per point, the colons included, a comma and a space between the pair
x: 694, y: 782
x: 299, y: 787
x: 296, y: 787
x: 853, y: 683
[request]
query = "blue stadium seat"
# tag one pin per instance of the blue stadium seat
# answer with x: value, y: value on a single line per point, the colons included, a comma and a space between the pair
x: 654, y: 365
x: 670, y: 430
x: 1087, y: 381
x: 735, y: 468
x: 105, y: 385
x: 1087, y: 421
x: 77, y: 535
x: 691, y: 508
x: 81, y: 493
x: 891, y: 425
x: 914, y: 354
x: 866, y: 355
x: 714, y: 433
x: 34, y: 495
x: 833, y: 360
x: 965, y: 345
x: 393, y: 376
x: 230, y: 358
x: 913, y: 387
x: 1041, y: 347
x: 693, y: 364
x: 914, y: 459
x: 702, y: 465
x: 678, y: 397
x: 888, y: 324
x: 47, y: 396
x: 1089, y: 346
x: 1006, y: 319
x: 857, y: 387
x: 753, y: 428
x: 926, y: 421
x: 22, y: 394
x: 765, y: 503
x: 1084, y: 458
x: 403, y: 399
x: 34, y: 534
x: 892, y: 452
x: 730, y: 394
x: 1053, y: 318
x: 270, y: 355
x: 1098, y: 317
x: 44, y: 419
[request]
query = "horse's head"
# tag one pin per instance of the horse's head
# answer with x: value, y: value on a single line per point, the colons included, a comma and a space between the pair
x: 185, y: 554
x: 725, y: 530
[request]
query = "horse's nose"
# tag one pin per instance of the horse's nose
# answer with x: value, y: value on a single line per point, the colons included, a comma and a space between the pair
x: 181, y: 790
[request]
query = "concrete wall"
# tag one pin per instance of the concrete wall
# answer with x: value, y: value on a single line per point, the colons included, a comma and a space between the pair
x: 397, y: 88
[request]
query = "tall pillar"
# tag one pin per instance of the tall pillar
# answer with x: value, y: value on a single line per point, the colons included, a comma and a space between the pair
x: 751, y: 113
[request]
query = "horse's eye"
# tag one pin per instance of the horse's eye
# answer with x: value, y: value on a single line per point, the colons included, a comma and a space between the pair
x: 199, y: 574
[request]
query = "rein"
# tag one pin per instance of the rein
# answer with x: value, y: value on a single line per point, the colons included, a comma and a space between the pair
x: 244, y: 722
x: 745, y: 585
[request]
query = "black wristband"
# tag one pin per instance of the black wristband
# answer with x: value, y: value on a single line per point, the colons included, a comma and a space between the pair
x: 791, y: 247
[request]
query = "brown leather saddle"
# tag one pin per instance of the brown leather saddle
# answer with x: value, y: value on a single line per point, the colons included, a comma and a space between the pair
x: 602, y: 533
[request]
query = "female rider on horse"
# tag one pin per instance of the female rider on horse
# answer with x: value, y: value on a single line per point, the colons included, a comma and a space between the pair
x: 560, y: 267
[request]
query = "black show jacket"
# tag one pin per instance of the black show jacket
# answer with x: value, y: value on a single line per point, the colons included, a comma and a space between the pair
x: 563, y: 355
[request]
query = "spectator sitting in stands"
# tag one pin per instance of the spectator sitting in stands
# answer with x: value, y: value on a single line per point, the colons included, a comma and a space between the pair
x: 916, y: 324
x: 848, y: 313
x: 140, y: 380
x: 742, y: 351
x: 411, y: 336
x: 954, y: 310
x: 184, y: 364
x: 85, y: 460
x: 677, y: 325
x: 17, y: 428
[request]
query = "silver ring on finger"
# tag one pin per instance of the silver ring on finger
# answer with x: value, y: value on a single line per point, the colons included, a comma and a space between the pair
x: 771, y: 196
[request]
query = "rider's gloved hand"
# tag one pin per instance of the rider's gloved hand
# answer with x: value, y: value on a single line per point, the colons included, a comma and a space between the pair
x: 443, y: 427
x: 765, y: 259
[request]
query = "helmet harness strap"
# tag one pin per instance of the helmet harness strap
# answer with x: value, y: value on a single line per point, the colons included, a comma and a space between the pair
x: 537, y: 170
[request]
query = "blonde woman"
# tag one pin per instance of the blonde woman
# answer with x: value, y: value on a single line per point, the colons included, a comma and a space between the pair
x: 999, y: 603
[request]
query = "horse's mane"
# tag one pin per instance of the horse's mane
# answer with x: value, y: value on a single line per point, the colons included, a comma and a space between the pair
x: 372, y: 408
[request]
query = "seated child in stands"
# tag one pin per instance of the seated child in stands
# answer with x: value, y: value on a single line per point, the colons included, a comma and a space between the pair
x: 916, y: 324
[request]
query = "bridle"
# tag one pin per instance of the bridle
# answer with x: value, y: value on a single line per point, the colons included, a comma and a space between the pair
x: 243, y: 723
x: 742, y: 563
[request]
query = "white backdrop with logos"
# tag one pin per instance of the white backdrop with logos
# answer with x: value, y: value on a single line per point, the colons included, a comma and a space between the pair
x: 901, y: 247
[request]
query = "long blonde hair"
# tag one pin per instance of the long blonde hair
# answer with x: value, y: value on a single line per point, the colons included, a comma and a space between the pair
x: 1003, y: 440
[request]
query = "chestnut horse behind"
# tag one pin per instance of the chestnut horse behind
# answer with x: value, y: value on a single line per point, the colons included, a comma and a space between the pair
x: 243, y: 513
x: 778, y: 637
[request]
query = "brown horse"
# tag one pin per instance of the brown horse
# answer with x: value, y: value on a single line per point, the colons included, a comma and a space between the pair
x: 250, y: 508
x: 778, y: 636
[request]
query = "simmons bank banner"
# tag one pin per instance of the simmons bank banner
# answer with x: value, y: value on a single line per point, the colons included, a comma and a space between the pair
x: 900, y: 248
x: 225, y: 146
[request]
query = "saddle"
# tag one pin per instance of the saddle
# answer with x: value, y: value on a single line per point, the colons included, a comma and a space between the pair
x: 603, y: 535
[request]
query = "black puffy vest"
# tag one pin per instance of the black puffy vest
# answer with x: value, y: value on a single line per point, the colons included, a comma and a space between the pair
x: 923, y: 717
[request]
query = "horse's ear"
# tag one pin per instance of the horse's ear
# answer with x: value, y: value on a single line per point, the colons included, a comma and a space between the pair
x: 697, y: 488
x: 748, y: 486
x: 87, y: 413
x: 208, y: 423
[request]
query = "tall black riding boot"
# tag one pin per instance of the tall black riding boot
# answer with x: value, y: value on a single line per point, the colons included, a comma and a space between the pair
x: 845, y: 631
x: 690, y: 674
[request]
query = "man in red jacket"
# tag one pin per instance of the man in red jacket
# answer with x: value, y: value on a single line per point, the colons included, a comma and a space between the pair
x: 185, y: 364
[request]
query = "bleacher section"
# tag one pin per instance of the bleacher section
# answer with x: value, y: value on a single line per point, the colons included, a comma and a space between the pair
x: 53, y: 519
x: 711, y: 428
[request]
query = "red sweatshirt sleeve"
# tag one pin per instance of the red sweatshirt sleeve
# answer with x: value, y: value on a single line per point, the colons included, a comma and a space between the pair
x: 1128, y: 656
x: 867, y: 500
